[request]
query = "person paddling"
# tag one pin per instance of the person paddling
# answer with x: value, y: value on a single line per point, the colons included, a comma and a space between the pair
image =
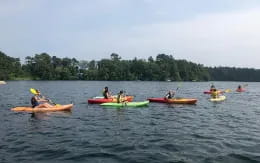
x: 106, y: 93
x: 39, y: 101
x: 169, y: 95
x: 212, y: 87
x: 214, y: 93
x: 120, y: 97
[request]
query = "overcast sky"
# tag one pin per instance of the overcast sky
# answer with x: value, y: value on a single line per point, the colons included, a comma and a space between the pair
x: 210, y: 32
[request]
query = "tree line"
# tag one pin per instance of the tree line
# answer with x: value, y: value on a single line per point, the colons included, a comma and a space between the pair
x: 162, y: 68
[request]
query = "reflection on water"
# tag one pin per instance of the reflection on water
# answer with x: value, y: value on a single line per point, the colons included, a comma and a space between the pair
x: 46, y: 115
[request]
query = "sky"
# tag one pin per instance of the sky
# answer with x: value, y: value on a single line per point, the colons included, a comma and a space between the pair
x: 209, y: 32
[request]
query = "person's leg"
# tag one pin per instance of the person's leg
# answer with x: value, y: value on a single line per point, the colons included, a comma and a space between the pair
x: 47, y: 105
x: 44, y: 105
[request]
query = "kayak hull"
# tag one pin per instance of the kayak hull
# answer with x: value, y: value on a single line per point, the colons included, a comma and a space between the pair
x: 182, y: 101
x: 159, y: 100
x: 174, y: 100
x: 220, y: 98
x: 240, y: 90
x: 51, y: 109
x: 127, y: 104
x: 104, y: 100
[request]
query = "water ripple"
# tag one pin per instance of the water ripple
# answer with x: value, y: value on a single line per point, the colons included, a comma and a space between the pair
x: 206, y: 132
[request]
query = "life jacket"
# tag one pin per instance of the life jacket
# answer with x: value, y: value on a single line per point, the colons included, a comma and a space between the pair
x: 34, y: 102
x: 120, y: 98
x: 214, y: 94
x: 105, y: 94
x: 169, y: 96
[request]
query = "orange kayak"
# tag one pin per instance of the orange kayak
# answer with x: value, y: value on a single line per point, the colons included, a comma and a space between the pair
x: 51, y: 109
x: 182, y: 101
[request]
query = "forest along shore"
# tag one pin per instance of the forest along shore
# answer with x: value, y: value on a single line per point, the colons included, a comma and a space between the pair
x: 162, y: 68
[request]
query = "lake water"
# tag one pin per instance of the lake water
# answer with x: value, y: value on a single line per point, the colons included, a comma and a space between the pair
x: 228, y: 131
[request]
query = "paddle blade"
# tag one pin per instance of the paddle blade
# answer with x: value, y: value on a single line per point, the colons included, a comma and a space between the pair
x: 33, y: 91
x: 245, y: 85
x: 228, y: 90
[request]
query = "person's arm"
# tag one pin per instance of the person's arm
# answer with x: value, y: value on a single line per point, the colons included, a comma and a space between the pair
x: 37, y: 98
x: 108, y: 94
x: 166, y: 94
x: 43, y: 99
x: 173, y: 94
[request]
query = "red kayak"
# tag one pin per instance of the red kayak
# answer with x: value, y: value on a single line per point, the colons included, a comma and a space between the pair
x: 240, y: 90
x: 160, y: 100
x: 174, y: 100
x: 104, y: 100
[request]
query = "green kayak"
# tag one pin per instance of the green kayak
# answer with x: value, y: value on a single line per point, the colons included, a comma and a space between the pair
x: 129, y: 104
x: 220, y: 98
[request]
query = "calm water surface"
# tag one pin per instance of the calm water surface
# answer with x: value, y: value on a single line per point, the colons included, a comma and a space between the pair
x: 228, y: 131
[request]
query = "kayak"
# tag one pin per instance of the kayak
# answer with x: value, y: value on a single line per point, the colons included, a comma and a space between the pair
x: 2, y: 82
x: 129, y: 104
x: 240, y: 90
x: 51, y: 109
x: 182, y: 101
x: 105, y: 100
x: 174, y: 100
x: 159, y: 100
x: 220, y: 98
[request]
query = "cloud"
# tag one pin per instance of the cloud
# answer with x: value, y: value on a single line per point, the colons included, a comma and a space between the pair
x: 94, y: 29
x: 230, y: 39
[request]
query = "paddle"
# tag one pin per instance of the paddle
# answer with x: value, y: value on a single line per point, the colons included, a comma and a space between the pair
x: 33, y: 91
x: 227, y: 90
x: 178, y: 86
x: 245, y: 85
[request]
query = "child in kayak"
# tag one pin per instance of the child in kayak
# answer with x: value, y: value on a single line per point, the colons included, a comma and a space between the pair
x: 169, y: 95
x: 215, y: 93
x: 39, y: 101
x: 106, y: 93
x: 120, y: 97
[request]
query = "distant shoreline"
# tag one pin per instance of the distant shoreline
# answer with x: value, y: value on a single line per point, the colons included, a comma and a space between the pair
x: 162, y: 68
x: 137, y: 81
